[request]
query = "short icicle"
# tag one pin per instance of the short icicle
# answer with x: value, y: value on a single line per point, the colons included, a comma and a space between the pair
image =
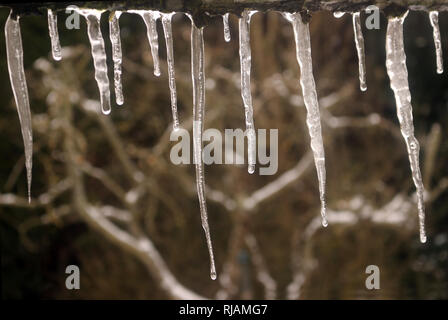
x: 54, y: 35
x: 225, y: 22
x: 198, y: 80
x: 117, y: 55
x: 166, y: 22
x: 359, y: 40
x: 150, y: 19
x: 434, y: 18
x: 14, y: 52
x: 398, y: 74
x: 245, y: 63
x: 303, y: 52
x: 93, y: 18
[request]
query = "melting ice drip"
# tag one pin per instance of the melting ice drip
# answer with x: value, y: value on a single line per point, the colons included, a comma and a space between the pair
x: 398, y: 74
x: 166, y: 22
x: 359, y: 41
x: 93, y: 18
x: 245, y: 62
x: 303, y: 52
x: 14, y: 52
x: 225, y: 21
x: 198, y: 80
x: 150, y: 18
x: 54, y: 35
x: 434, y: 18
x: 117, y: 55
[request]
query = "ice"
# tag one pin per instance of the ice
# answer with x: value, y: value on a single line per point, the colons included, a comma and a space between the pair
x: 150, y: 19
x: 54, y: 35
x: 303, y: 52
x: 398, y: 74
x: 93, y: 18
x: 198, y: 80
x: 166, y: 22
x: 245, y: 62
x: 359, y: 40
x: 114, y: 35
x: 434, y: 18
x: 14, y: 52
x: 225, y: 21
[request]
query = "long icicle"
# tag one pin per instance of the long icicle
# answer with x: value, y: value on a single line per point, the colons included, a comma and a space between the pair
x: 117, y: 55
x: 150, y: 19
x: 54, y: 35
x: 167, y: 30
x: 303, y: 53
x: 225, y: 22
x: 245, y: 63
x: 14, y: 52
x: 434, y: 18
x: 198, y: 80
x: 359, y: 40
x: 398, y: 74
x: 93, y: 18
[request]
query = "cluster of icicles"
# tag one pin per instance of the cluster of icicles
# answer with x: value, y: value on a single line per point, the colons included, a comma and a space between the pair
x: 395, y: 62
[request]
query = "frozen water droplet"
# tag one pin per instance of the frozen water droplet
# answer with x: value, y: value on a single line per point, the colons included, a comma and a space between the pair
x: 251, y: 168
x: 114, y: 35
x: 14, y: 52
x: 245, y: 63
x: 303, y: 54
x: 93, y: 18
x: 398, y: 74
x: 359, y: 41
x: 198, y: 80
x: 150, y: 19
x: 225, y: 21
x: 434, y: 18
x: 423, y: 238
x: 166, y: 22
x: 54, y: 35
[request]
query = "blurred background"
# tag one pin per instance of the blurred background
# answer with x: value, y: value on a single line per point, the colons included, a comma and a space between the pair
x: 266, y: 232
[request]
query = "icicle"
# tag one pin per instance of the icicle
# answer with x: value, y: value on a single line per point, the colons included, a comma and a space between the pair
x: 198, y: 80
x: 245, y: 62
x: 54, y: 35
x: 150, y: 18
x: 303, y: 52
x: 398, y: 74
x: 114, y: 35
x: 359, y: 40
x: 14, y: 52
x: 166, y: 22
x: 434, y: 17
x: 225, y: 21
x: 338, y: 14
x: 93, y: 18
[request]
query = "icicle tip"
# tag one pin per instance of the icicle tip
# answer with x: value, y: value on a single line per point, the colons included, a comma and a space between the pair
x: 251, y: 168
x: 423, y: 238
